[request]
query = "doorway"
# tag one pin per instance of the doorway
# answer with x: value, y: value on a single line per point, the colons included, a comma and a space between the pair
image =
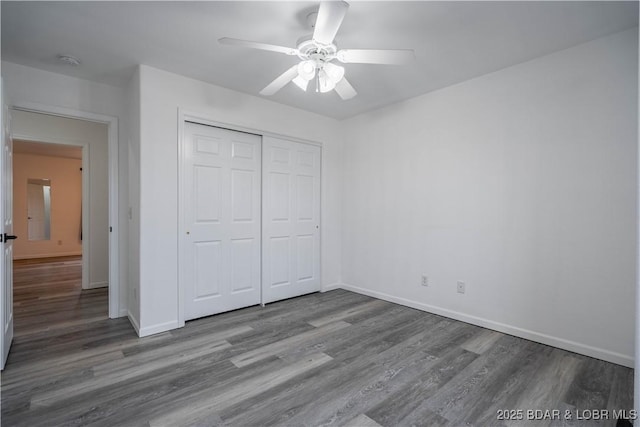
x: 48, y: 296
x: 48, y: 201
x: 60, y: 195
x: 96, y: 137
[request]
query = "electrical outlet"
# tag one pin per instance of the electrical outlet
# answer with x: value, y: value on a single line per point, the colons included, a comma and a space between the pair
x: 461, y: 287
x: 425, y: 281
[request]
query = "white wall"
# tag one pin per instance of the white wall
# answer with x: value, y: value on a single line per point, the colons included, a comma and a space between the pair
x: 521, y: 183
x: 43, y: 127
x: 30, y: 85
x: 133, y: 149
x: 161, y: 95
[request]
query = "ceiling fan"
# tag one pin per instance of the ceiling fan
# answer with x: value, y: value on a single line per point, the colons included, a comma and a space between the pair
x: 317, y: 51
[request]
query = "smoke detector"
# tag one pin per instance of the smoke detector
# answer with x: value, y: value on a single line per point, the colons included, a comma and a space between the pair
x: 69, y: 60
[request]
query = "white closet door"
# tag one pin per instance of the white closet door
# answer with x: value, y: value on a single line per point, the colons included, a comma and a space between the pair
x: 221, y: 232
x: 290, y: 219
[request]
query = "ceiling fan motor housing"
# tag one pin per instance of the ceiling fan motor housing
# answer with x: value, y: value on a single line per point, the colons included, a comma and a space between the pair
x: 309, y: 49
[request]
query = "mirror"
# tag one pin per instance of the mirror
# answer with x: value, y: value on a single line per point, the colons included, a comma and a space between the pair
x: 39, y: 209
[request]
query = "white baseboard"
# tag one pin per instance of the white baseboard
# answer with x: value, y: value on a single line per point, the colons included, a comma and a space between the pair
x: 156, y: 329
x: 134, y: 322
x: 332, y: 286
x: 54, y: 255
x: 576, y: 347
x: 94, y: 285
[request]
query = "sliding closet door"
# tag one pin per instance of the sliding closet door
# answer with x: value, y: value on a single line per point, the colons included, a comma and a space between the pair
x: 290, y: 218
x: 220, y: 250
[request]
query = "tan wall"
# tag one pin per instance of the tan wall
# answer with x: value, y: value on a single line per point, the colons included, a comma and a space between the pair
x: 66, y: 205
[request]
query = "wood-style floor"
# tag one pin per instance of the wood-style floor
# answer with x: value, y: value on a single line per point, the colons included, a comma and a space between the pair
x: 47, y: 293
x: 336, y: 358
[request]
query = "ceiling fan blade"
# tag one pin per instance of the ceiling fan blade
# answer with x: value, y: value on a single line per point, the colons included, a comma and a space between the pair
x: 255, y: 45
x: 345, y: 90
x: 330, y: 16
x: 376, y: 56
x: 280, y: 81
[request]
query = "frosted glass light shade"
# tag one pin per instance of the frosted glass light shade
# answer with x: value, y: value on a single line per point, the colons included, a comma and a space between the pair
x: 307, y: 70
x: 334, y: 72
x: 325, y: 82
x: 301, y: 83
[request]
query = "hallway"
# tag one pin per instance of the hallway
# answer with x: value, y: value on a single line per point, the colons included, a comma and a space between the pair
x: 48, y: 295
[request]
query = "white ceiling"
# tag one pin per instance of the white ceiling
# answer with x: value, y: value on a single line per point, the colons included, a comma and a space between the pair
x: 453, y: 41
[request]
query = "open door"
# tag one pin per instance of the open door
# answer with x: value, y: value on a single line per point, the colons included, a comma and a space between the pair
x: 6, y: 233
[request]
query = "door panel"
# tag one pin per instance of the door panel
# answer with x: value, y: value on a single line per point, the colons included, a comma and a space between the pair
x: 220, y: 259
x: 279, y: 260
x: 207, y: 194
x: 6, y: 219
x: 305, y: 186
x: 291, y: 219
x: 242, y: 190
x: 305, y: 262
x: 243, y: 274
x: 279, y: 184
x: 207, y: 267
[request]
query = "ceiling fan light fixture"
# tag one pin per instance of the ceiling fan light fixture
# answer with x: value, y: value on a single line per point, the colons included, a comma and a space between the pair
x: 307, y: 70
x: 301, y: 83
x: 325, y: 82
x: 334, y: 72
x: 317, y: 50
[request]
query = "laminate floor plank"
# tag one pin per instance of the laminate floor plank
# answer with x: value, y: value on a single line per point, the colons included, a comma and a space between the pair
x: 407, y: 405
x: 469, y: 390
x: 591, y: 386
x: 362, y: 421
x: 550, y: 387
x: 99, y: 381
x: 334, y: 358
x: 502, y: 389
x: 277, y: 347
x: 289, y: 403
x: 200, y: 407
x: 482, y: 341
x: 343, y: 374
x: 621, y: 396
x: 347, y: 313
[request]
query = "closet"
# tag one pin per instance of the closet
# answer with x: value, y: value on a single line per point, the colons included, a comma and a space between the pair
x: 290, y: 219
x: 250, y: 219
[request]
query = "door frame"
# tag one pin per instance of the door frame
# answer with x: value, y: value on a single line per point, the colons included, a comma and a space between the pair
x: 86, y: 230
x: 112, y: 167
x: 203, y: 119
